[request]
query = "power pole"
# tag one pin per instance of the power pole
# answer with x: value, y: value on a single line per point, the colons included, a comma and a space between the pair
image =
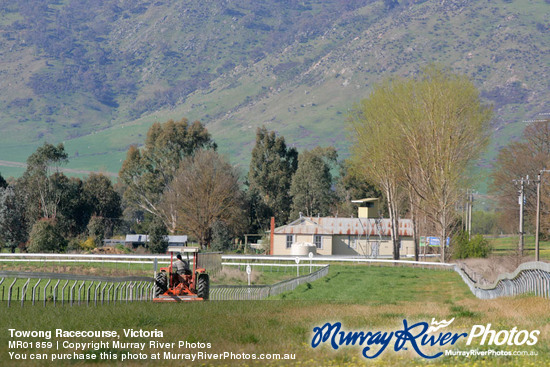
x: 521, y: 202
x: 537, y: 229
x: 471, y: 204
x: 468, y: 212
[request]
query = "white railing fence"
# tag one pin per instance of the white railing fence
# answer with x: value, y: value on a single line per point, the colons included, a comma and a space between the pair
x: 533, y: 277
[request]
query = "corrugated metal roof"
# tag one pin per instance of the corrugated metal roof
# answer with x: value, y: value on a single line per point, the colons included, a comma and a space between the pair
x: 142, y: 238
x: 345, y: 226
x: 177, y: 239
x: 137, y: 238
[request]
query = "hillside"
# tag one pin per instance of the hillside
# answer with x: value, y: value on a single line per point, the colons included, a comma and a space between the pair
x: 96, y: 74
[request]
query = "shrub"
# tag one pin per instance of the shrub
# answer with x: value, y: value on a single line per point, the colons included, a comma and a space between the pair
x: 46, y: 237
x: 464, y: 248
x: 88, y: 245
x: 479, y: 246
x: 74, y: 244
x: 96, y: 229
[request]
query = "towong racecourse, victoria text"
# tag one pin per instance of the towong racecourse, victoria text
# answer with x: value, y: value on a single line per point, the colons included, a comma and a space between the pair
x: 59, y: 333
x: 419, y: 335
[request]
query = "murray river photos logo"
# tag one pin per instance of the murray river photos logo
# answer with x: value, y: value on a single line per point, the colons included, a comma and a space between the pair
x: 419, y: 336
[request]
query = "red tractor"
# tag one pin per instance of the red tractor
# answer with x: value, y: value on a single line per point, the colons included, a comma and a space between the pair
x: 191, y: 285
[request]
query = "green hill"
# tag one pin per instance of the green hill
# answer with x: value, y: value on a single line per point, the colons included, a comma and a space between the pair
x: 96, y: 74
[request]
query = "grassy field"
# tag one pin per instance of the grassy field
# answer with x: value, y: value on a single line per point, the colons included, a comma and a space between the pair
x: 508, y: 246
x: 360, y: 297
x: 109, y: 269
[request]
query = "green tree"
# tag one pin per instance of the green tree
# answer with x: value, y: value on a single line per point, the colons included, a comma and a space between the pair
x: 158, y: 243
x: 221, y: 237
x: 419, y: 136
x: 350, y: 186
x: 374, y: 154
x: 102, y: 198
x: 103, y: 202
x: 147, y: 173
x: 72, y: 213
x: 46, y: 237
x: 311, y: 188
x: 446, y: 128
x: 47, y: 158
x: 272, y: 166
x: 13, y: 229
x: 39, y: 181
x: 3, y: 182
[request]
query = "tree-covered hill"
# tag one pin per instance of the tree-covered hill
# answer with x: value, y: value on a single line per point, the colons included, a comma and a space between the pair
x: 96, y: 74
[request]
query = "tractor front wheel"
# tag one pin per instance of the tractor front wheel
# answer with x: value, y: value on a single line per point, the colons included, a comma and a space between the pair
x: 161, y: 284
x: 203, y: 286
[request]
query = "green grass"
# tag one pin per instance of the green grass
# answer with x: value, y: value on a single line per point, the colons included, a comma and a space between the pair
x: 285, y: 326
x: 382, y: 285
x: 99, y: 268
x: 260, y: 275
x: 231, y: 275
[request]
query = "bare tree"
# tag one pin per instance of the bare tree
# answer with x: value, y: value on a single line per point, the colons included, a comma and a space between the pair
x: 205, y: 190
x: 374, y: 155
x: 533, y: 151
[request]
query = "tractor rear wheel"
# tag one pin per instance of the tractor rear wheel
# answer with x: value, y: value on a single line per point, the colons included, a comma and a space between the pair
x: 203, y: 286
x: 161, y: 284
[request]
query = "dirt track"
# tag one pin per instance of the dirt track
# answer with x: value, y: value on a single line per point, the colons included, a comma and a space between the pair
x: 67, y: 170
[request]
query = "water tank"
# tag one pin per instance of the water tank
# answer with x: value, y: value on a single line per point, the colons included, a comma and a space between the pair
x: 303, y: 249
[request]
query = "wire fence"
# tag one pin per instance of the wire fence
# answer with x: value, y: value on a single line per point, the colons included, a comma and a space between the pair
x: 211, y: 261
x: 71, y: 289
x: 256, y: 292
x: 528, y: 278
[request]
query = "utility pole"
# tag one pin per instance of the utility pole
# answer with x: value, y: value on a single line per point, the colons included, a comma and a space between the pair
x: 468, y: 212
x: 521, y: 202
x: 470, y: 205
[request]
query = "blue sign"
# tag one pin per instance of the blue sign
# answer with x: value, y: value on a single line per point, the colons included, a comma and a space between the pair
x: 435, y: 241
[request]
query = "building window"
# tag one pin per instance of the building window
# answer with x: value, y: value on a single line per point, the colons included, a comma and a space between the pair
x: 289, y: 240
x: 318, y: 241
